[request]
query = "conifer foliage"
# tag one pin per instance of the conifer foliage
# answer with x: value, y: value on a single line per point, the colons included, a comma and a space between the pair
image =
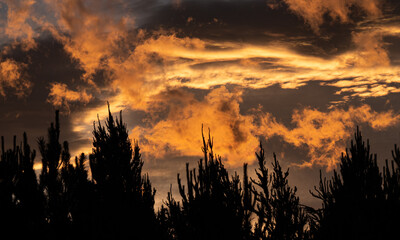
x: 124, y: 198
x: 54, y: 157
x: 214, y: 205
x: 280, y: 215
x: 357, y: 203
x: 21, y: 201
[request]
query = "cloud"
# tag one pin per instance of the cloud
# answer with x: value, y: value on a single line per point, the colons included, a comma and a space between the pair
x: 13, y: 76
x: 139, y: 64
x: 144, y: 69
x: 92, y: 31
x: 17, y: 26
x: 95, y: 33
x: 323, y: 134
x: 146, y: 77
x: 180, y: 133
x: 169, y: 61
x: 313, y: 11
x: 61, y: 96
x: 368, y: 40
x: 101, y: 36
x: 369, y: 51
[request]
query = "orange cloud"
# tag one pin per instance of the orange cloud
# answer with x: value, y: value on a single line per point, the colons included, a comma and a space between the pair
x: 323, y: 134
x: 168, y: 61
x: 61, y: 96
x: 313, y: 11
x: 17, y: 27
x: 180, y: 132
x: 369, y: 50
x: 94, y: 33
x: 98, y: 34
x: 12, y: 75
x: 142, y: 70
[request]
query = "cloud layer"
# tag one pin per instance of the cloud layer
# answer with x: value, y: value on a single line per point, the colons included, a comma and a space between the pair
x: 323, y: 133
x: 101, y: 36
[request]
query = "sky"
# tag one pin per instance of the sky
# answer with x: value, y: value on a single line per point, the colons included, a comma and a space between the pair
x: 297, y: 75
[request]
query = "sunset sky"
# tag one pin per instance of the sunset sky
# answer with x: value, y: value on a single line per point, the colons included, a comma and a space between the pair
x: 299, y: 75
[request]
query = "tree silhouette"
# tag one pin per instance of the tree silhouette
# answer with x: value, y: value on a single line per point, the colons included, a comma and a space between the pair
x: 8, y: 174
x: 264, y: 212
x: 21, y: 201
x: 30, y: 198
x: 353, y: 200
x: 78, y: 192
x: 213, y: 206
x: 125, y: 198
x: 115, y: 200
x: 54, y: 158
x: 280, y: 215
x: 391, y: 189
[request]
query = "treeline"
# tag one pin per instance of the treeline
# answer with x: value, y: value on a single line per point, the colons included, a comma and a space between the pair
x: 115, y: 200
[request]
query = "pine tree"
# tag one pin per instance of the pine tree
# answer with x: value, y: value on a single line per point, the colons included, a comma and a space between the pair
x: 125, y: 198
x: 21, y: 200
x: 289, y: 219
x: 263, y: 210
x: 54, y: 155
x: 8, y: 174
x: 30, y: 198
x: 213, y: 206
x: 353, y: 199
x: 391, y: 189
x: 280, y: 215
x: 78, y: 192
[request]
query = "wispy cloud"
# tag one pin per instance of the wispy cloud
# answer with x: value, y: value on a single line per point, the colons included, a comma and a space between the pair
x: 203, y: 64
x: 313, y: 11
x: 61, y: 97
